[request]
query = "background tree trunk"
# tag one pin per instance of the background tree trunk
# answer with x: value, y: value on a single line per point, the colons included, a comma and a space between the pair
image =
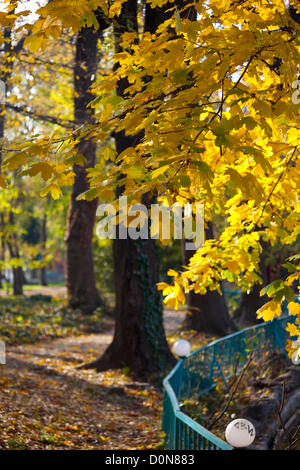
x: 81, y: 286
x: 2, y: 250
x: 208, y: 312
x: 43, y: 237
x: 13, y: 248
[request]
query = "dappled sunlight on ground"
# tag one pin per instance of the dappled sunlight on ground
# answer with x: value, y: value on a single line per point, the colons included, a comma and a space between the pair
x: 46, y: 402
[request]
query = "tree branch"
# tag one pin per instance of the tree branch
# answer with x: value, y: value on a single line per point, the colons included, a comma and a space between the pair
x: 68, y: 124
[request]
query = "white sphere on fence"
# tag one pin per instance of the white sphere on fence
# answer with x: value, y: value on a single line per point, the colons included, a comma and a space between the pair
x: 182, y: 348
x: 240, y: 433
x: 296, y: 358
x: 296, y: 354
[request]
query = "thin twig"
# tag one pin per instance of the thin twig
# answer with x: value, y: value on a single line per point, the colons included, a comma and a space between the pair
x: 280, y: 417
x: 232, y: 393
x: 232, y: 381
x: 294, y: 439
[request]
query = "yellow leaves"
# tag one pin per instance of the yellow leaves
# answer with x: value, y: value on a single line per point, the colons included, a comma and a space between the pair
x: 68, y: 443
x: 175, y: 297
x: 115, y: 8
x: 45, y: 168
x: 3, y: 183
x: 53, y: 189
x: 128, y: 39
x: 294, y: 308
x: 173, y: 294
x: 173, y: 273
x: 292, y: 329
x: 158, y: 3
x: 232, y: 266
x: 248, y: 184
x: 35, y: 42
x: 16, y: 160
x: 292, y: 277
x: 132, y: 123
x: 135, y: 171
x: 159, y: 171
x: 67, y: 179
x: 268, y: 311
x: 58, y: 15
x: 69, y: 427
x: 7, y: 19
x: 128, y: 156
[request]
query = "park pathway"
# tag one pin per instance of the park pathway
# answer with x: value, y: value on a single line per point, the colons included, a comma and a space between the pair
x: 46, y: 403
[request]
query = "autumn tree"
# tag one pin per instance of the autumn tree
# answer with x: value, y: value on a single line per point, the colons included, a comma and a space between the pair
x: 9, y: 53
x: 139, y: 340
x: 226, y: 135
x: 219, y: 125
x: 80, y: 222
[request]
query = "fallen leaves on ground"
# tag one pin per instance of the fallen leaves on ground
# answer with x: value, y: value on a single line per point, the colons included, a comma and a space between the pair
x: 26, y: 319
x: 46, y: 403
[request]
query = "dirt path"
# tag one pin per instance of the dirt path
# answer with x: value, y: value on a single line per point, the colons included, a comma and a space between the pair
x: 46, y: 403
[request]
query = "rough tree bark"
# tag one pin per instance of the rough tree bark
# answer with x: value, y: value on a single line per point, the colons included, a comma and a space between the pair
x: 81, y: 286
x: 43, y: 238
x: 12, y: 244
x: 2, y: 249
x: 139, y: 340
x: 208, y: 312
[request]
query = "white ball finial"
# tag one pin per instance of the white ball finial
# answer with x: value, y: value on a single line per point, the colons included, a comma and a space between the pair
x: 240, y: 433
x: 296, y: 358
x: 182, y: 348
x: 296, y: 353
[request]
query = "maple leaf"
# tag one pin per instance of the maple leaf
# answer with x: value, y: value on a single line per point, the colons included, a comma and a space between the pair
x: 294, y: 308
x: 292, y: 329
x: 268, y: 311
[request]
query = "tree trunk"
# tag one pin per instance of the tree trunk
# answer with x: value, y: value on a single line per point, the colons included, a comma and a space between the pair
x: 12, y: 244
x: 43, y: 237
x: 81, y: 286
x: 208, y: 312
x: 2, y: 251
x: 18, y: 281
x: 139, y: 341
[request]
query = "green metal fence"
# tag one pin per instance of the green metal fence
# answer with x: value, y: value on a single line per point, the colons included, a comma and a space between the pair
x: 198, y: 372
